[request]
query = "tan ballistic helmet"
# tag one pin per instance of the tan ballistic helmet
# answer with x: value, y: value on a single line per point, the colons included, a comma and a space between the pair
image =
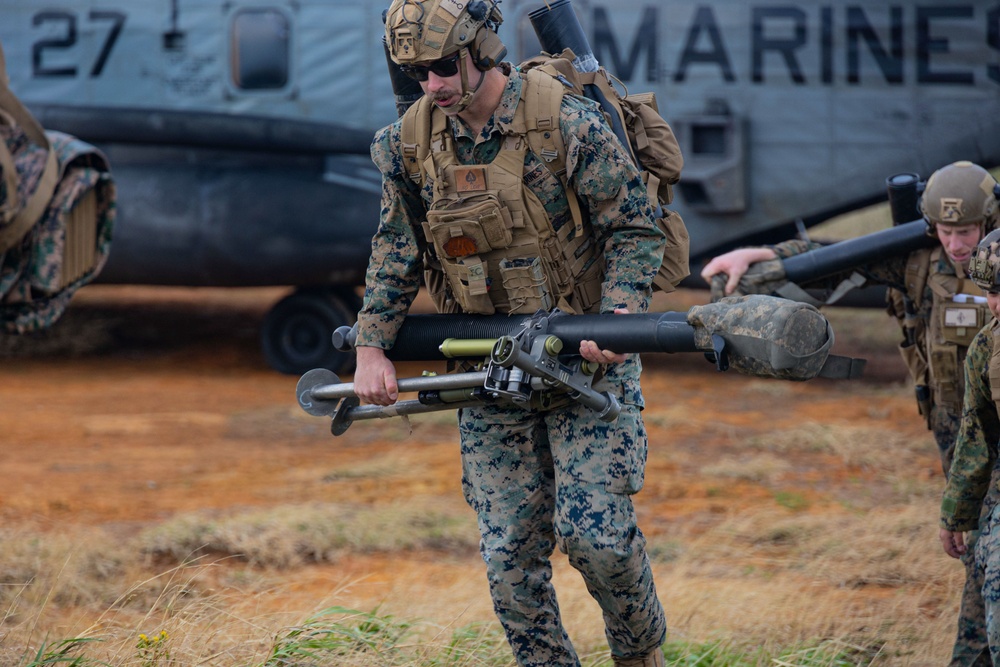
x: 985, y: 262
x: 420, y: 31
x: 960, y: 194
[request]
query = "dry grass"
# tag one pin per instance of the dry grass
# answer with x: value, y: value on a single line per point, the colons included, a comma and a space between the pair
x: 763, y: 580
x: 774, y: 555
x: 856, y: 446
x: 774, y: 580
x: 291, y: 536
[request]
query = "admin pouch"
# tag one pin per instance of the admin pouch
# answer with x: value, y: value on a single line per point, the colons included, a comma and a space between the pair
x: 768, y: 336
x: 56, y: 214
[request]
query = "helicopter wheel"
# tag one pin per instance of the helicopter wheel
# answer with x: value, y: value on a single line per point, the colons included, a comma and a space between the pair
x: 296, y: 335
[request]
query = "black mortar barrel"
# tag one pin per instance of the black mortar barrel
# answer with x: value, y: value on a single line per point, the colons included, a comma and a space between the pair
x: 421, y: 335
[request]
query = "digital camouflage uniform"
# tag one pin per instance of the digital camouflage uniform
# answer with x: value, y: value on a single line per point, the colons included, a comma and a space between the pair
x: 970, y: 645
x: 969, y: 484
x: 542, y: 479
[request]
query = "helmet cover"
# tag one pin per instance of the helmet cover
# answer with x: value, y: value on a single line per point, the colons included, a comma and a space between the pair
x: 961, y: 193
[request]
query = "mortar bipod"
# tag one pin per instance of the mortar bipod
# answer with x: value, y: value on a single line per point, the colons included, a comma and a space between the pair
x: 321, y: 394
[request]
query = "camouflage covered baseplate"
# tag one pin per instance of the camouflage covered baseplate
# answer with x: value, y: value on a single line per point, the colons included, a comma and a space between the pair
x: 790, y: 340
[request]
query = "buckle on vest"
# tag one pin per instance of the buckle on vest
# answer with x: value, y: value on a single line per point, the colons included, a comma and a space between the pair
x: 548, y: 154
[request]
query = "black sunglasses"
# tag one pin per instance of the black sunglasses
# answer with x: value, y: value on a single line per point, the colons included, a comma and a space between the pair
x: 443, y: 67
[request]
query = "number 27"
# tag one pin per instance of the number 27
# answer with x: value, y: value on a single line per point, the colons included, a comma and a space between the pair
x: 69, y: 38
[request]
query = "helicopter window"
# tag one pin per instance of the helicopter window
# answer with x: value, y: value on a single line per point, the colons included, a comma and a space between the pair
x: 708, y: 139
x: 260, y: 49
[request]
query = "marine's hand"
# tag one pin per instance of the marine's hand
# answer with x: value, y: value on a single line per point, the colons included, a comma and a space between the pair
x: 734, y: 264
x: 375, y: 377
x: 591, y: 352
x: 952, y: 542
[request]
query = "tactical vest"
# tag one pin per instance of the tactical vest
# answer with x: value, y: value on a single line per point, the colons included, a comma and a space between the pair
x: 569, y: 270
x: 937, y: 357
x: 493, y: 244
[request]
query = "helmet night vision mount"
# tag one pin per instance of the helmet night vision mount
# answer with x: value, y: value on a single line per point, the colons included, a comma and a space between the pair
x: 984, y: 264
x: 420, y: 31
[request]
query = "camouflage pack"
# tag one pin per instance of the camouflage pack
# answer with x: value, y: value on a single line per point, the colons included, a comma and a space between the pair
x: 28, y: 166
x: 56, y: 215
x: 791, y: 341
x: 650, y: 139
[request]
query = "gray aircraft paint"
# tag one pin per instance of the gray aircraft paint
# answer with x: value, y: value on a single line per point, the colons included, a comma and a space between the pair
x: 825, y: 99
x: 785, y: 111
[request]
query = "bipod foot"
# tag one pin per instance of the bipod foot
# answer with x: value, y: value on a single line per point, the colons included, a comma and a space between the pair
x: 317, y: 407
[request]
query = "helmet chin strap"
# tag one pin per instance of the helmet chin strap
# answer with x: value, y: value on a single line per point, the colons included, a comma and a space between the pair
x: 467, y: 92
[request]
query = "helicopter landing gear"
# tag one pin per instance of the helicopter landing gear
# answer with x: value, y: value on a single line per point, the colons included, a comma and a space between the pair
x: 296, y: 335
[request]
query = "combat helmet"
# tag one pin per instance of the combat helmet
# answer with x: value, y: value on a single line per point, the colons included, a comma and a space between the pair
x: 962, y: 193
x: 984, y: 265
x: 420, y: 31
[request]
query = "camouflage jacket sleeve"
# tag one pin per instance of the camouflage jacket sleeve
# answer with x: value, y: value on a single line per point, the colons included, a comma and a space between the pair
x: 975, y: 449
x: 890, y: 272
x: 606, y: 180
x: 393, y: 276
x: 793, y: 247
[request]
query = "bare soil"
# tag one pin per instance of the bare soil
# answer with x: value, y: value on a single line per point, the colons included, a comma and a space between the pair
x: 143, y: 404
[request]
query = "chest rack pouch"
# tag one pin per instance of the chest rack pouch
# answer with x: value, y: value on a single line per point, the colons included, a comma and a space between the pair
x: 468, y: 226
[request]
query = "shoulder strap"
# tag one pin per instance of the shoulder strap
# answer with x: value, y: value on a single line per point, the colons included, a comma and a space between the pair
x: 415, y: 137
x: 918, y: 265
x: 539, y: 114
x: 994, y: 363
x: 32, y: 210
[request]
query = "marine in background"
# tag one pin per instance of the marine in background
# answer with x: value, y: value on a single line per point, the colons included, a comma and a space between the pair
x: 939, y: 308
x: 965, y: 509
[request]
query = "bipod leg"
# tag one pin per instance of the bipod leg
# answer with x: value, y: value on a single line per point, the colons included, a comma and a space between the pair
x: 321, y: 393
x: 350, y: 411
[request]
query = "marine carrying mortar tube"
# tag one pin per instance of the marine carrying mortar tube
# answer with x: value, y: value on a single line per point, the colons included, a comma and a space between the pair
x: 845, y: 255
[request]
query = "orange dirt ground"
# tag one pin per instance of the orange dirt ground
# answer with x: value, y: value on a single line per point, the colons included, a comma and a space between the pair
x: 144, y: 403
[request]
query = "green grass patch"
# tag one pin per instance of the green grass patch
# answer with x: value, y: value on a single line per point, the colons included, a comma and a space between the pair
x: 791, y: 500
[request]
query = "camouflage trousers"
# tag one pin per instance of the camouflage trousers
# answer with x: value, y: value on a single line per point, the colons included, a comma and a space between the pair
x: 971, y: 647
x: 538, y: 480
x: 971, y: 644
x: 987, y: 561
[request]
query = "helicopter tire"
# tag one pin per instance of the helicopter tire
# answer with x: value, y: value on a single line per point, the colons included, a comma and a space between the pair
x: 296, y: 334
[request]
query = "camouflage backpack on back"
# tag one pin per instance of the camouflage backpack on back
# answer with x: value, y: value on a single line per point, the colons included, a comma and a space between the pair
x: 651, y: 141
x: 56, y: 214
